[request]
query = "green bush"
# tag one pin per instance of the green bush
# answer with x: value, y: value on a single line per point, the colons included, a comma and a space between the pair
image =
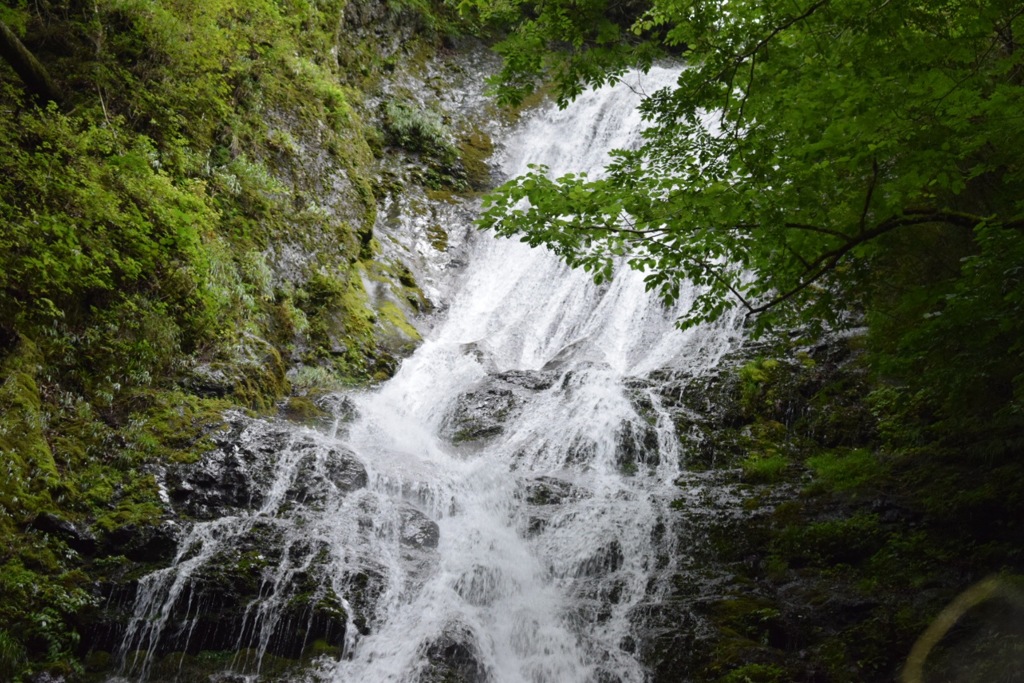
x: 764, y: 468
x: 845, y: 470
x: 755, y: 673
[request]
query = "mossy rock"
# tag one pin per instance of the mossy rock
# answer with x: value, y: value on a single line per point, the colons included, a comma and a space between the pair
x: 475, y: 148
x: 303, y: 410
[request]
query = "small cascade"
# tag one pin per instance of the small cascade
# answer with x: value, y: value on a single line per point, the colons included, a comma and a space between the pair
x: 496, y: 512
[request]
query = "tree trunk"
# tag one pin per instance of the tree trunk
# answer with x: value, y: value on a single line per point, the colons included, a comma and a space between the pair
x: 29, y: 69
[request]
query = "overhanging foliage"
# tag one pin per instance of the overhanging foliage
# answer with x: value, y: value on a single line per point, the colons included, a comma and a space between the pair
x: 834, y: 123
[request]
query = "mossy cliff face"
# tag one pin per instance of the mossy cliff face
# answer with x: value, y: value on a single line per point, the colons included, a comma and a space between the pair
x: 190, y: 229
x: 820, y: 545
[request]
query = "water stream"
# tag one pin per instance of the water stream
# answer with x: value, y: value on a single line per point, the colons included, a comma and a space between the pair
x: 519, y: 467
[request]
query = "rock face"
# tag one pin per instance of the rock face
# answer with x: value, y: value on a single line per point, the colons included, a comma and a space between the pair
x: 453, y: 658
x: 788, y: 570
x: 145, y: 544
x: 238, y: 474
x: 544, y: 495
x: 78, y: 539
x: 418, y: 530
x: 243, y: 577
x: 483, y: 412
x: 236, y: 585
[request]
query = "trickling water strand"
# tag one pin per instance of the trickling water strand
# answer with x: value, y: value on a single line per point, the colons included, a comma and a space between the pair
x: 504, y: 508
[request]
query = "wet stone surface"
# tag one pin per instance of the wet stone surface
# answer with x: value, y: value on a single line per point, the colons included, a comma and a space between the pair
x: 418, y: 530
x: 453, y: 658
x: 482, y: 412
x: 238, y: 475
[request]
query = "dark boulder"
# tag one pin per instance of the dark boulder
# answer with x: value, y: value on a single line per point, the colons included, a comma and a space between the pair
x: 482, y: 412
x: 322, y: 473
x: 418, y: 530
x: 78, y: 538
x: 144, y: 543
x: 453, y: 657
x: 209, y: 488
x: 238, y: 475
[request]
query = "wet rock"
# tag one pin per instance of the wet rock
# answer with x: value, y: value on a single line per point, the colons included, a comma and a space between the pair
x: 480, y: 355
x: 209, y: 488
x: 238, y: 474
x: 260, y: 583
x: 418, y: 530
x: 265, y: 588
x: 453, y: 658
x: 362, y: 589
x: 321, y: 474
x: 209, y: 381
x: 483, y: 412
x: 528, y: 379
x: 636, y: 447
x: 546, y: 490
x: 605, y: 560
x: 341, y: 407
x: 148, y: 543
x: 544, y: 494
x: 78, y: 538
x: 578, y: 351
x: 47, y: 677
x: 344, y: 471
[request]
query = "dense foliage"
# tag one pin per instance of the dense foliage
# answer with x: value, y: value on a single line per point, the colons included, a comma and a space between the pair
x: 795, y: 138
x: 823, y: 164
x: 820, y: 165
x: 147, y: 219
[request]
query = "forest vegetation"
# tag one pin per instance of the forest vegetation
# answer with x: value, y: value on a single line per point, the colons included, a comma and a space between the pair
x: 188, y: 191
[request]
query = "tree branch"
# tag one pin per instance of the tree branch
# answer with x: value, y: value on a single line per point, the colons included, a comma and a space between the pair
x: 830, y: 259
x: 742, y: 57
x: 871, y: 192
x: 32, y: 73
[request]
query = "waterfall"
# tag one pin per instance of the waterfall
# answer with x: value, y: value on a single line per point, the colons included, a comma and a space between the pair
x: 505, y: 514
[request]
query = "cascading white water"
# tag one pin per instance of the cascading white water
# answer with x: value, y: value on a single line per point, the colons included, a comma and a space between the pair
x: 554, y: 604
x: 551, y: 522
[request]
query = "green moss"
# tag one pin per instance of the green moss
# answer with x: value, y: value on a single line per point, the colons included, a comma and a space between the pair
x: 475, y: 148
x: 321, y: 648
x: 756, y: 673
x: 302, y: 410
x: 843, y: 470
x: 847, y: 540
x: 136, y: 503
x: 755, y: 377
x: 98, y: 662
x: 31, y: 469
x: 746, y: 616
x: 764, y: 468
x: 391, y: 315
x: 260, y: 385
x: 174, y: 425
